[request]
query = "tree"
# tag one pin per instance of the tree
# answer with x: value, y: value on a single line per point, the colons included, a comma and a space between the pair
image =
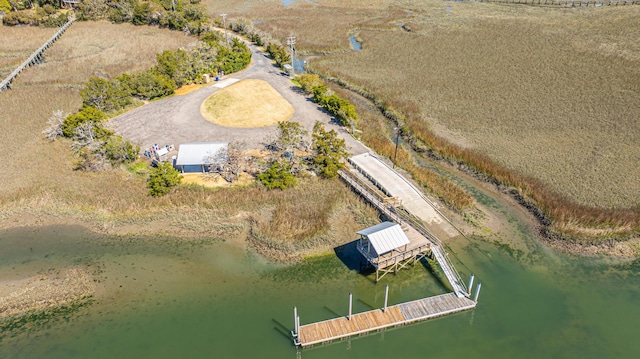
x: 277, y: 176
x: 118, y: 150
x: 55, y: 126
x: 291, y: 137
x: 151, y: 84
x: 308, y: 82
x: 5, y: 6
x: 106, y: 95
x: 86, y: 114
x: 175, y: 65
x: 163, y: 179
x: 228, y: 162
x: 329, y: 151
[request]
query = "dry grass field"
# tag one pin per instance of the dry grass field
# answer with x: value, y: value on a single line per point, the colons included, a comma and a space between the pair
x: 546, y: 98
x: 17, y: 43
x: 38, y: 180
x: 228, y: 106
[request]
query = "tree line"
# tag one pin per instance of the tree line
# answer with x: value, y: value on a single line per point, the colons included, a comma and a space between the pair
x: 343, y: 110
x: 180, y: 15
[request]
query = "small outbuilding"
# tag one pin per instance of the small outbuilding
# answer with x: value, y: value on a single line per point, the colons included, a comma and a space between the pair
x: 381, y: 239
x: 200, y: 156
x: 388, y: 248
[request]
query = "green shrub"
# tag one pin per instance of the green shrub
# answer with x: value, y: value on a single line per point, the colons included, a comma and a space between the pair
x: 5, y: 6
x: 49, y: 9
x: 118, y: 150
x: 18, y: 5
x: 18, y: 18
x: 277, y: 176
x: 175, y: 65
x: 141, y: 14
x: 151, y: 84
x: 92, y: 10
x: 329, y: 151
x: 55, y: 20
x: 87, y: 114
x: 309, y: 81
x: 163, y: 179
x: 278, y: 54
x: 173, y: 20
x: 106, y: 95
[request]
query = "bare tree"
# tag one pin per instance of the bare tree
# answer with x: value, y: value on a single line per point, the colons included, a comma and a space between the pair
x: 85, y: 137
x: 229, y: 162
x: 55, y: 125
x: 89, y: 148
x: 291, y: 137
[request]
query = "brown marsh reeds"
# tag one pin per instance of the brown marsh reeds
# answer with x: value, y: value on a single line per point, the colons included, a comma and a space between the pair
x: 543, y: 100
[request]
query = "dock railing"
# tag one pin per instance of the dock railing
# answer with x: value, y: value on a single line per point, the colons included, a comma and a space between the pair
x: 401, y: 216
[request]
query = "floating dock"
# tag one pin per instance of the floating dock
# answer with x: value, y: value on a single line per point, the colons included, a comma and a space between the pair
x: 377, y: 319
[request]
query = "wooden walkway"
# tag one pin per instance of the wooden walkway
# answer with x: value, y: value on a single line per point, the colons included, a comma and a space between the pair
x: 36, y: 57
x: 377, y: 319
x: 420, y: 237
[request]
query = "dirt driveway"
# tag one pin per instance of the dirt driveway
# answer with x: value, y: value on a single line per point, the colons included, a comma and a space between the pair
x: 177, y: 119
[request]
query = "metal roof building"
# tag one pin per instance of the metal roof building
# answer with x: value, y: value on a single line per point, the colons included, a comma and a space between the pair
x: 382, y: 238
x: 196, y: 157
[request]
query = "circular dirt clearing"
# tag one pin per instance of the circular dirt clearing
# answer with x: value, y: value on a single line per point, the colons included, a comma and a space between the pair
x: 246, y: 104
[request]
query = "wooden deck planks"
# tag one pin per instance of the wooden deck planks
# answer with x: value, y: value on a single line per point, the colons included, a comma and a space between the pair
x: 434, y: 306
x: 376, y: 319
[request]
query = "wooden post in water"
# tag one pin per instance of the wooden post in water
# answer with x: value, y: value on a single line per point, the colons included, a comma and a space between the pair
x: 350, y: 305
x: 470, y: 284
x: 475, y: 297
x: 296, y: 323
x: 386, y: 298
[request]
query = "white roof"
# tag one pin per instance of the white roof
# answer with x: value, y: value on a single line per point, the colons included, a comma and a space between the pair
x: 162, y: 151
x: 199, y: 153
x: 385, y: 237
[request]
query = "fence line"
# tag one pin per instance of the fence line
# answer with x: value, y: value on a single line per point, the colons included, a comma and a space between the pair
x: 36, y: 57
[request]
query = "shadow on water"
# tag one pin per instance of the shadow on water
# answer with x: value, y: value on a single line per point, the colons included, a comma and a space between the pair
x: 352, y: 259
x: 349, y: 255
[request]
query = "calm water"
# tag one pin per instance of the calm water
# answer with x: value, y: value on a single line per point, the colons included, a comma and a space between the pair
x: 219, y: 299
x: 354, y: 43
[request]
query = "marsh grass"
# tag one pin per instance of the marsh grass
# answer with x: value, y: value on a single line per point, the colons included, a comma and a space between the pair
x: 17, y: 43
x: 377, y: 135
x: 545, y: 100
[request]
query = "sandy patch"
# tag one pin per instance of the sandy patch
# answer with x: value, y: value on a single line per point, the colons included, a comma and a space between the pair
x: 214, y: 180
x: 247, y: 104
x: 188, y: 88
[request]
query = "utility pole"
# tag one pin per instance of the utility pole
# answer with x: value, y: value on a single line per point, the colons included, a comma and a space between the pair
x: 224, y: 25
x: 395, y: 153
x: 291, y: 40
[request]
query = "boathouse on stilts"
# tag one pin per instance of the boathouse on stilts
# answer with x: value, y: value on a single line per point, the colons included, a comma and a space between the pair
x: 387, y: 247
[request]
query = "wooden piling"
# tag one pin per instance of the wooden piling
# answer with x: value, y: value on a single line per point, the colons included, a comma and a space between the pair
x: 386, y: 297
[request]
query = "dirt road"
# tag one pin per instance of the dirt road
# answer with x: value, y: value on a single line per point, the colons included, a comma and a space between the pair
x: 177, y: 119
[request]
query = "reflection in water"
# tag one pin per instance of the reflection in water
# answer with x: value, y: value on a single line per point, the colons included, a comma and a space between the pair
x: 354, y: 43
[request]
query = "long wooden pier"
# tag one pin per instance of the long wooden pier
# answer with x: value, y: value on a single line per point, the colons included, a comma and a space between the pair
x: 420, y: 241
x: 377, y: 319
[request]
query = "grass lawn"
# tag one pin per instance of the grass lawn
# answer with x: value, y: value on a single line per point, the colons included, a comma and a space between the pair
x: 229, y: 106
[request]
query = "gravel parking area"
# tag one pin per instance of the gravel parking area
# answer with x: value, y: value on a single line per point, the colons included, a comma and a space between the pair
x: 177, y: 119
